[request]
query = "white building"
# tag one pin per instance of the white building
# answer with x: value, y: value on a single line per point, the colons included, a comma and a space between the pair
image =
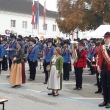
x: 16, y: 15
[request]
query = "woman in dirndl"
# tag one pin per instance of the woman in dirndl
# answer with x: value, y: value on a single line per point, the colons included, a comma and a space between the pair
x: 55, y: 78
x: 17, y: 73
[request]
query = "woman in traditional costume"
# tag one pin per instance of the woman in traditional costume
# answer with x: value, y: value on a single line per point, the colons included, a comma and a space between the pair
x: 55, y: 78
x: 17, y: 73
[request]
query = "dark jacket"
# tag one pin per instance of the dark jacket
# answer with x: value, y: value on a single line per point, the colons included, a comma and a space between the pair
x: 19, y: 56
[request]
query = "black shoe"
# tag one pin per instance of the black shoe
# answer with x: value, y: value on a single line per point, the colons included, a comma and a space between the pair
x: 102, y: 104
x: 51, y: 93
x: 79, y: 88
x: 108, y: 105
x: 5, y: 69
x: 98, y: 92
x: 75, y: 88
x: 13, y: 86
x: 30, y: 79
x: 8, y: 76
x: 95, y: 84
x: 45, y: 83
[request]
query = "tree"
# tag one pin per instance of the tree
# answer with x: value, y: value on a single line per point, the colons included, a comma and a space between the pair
x: 84, y: 14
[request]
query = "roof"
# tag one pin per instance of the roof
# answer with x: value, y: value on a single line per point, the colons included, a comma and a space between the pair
x: 24, y: 7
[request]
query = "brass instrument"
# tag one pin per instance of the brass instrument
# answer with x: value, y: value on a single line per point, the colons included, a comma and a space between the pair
x: 74, y: 53
x: 57, y: 41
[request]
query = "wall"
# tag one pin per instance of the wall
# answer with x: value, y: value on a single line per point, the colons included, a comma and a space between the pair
x: 5, y: 23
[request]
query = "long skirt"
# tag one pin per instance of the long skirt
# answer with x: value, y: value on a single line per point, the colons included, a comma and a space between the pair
x: 54, y: 83
x: 17, y: 74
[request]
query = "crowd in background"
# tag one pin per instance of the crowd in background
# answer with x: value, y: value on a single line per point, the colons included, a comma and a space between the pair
x: 15, y: 51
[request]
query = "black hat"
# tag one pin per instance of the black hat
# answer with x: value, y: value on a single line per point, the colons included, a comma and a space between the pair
x: 62, y: 43
x: 12, y: 35
x: 84, y: 39
x: 49, y: 40
x: 37, y: 38
x: 66, y: 42
x: 20, y: 36
x: 5, y: 39
x: 94, y: 41
x: 33, y: 40
x: 81, y: 43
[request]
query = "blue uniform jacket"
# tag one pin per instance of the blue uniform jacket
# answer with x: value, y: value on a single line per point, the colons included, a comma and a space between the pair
x: 49, y: 55
x: 13, y: 46
x: 4, y: 49
x: 91, y: 55
x: 1, y: 51
x: 23, y: 45
x: 33, y: 53
x: 66, y: 56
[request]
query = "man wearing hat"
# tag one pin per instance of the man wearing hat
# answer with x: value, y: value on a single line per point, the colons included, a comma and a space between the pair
x: 20, y: 38
x: 5, y: 47
x: 90, y: 55
x: 66, y: 58
x: 12, y: 48
x: 33, y: 57
x: 79, y: 64
x: 104, y: 69
x: 48, y: 53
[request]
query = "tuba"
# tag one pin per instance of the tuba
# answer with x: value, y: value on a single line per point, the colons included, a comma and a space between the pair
x: 74, y: 53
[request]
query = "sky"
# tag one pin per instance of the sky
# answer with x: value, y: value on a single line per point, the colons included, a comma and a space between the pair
x: 50, y: 4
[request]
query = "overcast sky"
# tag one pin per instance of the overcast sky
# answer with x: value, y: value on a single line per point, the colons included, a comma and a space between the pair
x: 50, y: 4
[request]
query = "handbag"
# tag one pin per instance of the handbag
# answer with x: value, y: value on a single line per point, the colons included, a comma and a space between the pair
x: 48, y: 67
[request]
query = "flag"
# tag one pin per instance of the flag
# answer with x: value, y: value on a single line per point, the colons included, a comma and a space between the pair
x: 44, y: 11
x: 33, y: 10
x: 37, y: 14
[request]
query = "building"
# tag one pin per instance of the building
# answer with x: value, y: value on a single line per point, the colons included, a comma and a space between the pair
x: 16, y: 15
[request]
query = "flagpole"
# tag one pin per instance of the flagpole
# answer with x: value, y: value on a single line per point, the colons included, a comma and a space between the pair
x: 32, y: 29
x: 45, y: 15
x: 38, y: 19
x: 32, y: 23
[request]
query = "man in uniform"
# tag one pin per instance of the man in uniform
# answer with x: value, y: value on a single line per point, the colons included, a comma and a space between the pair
x: 91, y: 54
x: 80, y: 64
x: 48, y: 53
x: 33, y: 57
x: 12, y: 48
x: 104, y: 69
x: 20, y: 38
x: 4, y: 62
x: 67, y: 60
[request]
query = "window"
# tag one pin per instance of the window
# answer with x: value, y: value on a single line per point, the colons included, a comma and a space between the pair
x: 45, y: 27
x: 24, y: 24
x: 54, y: 27
x: 13, y: 23
x: 35, y: 26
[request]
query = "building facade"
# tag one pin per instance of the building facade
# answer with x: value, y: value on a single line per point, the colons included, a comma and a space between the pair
x: 17, y: 17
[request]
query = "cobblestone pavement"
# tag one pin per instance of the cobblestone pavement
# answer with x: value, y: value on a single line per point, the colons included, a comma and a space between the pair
x: 33, y: 95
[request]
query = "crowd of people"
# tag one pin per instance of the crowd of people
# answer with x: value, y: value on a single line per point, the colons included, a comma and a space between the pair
x: 56, y: 57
